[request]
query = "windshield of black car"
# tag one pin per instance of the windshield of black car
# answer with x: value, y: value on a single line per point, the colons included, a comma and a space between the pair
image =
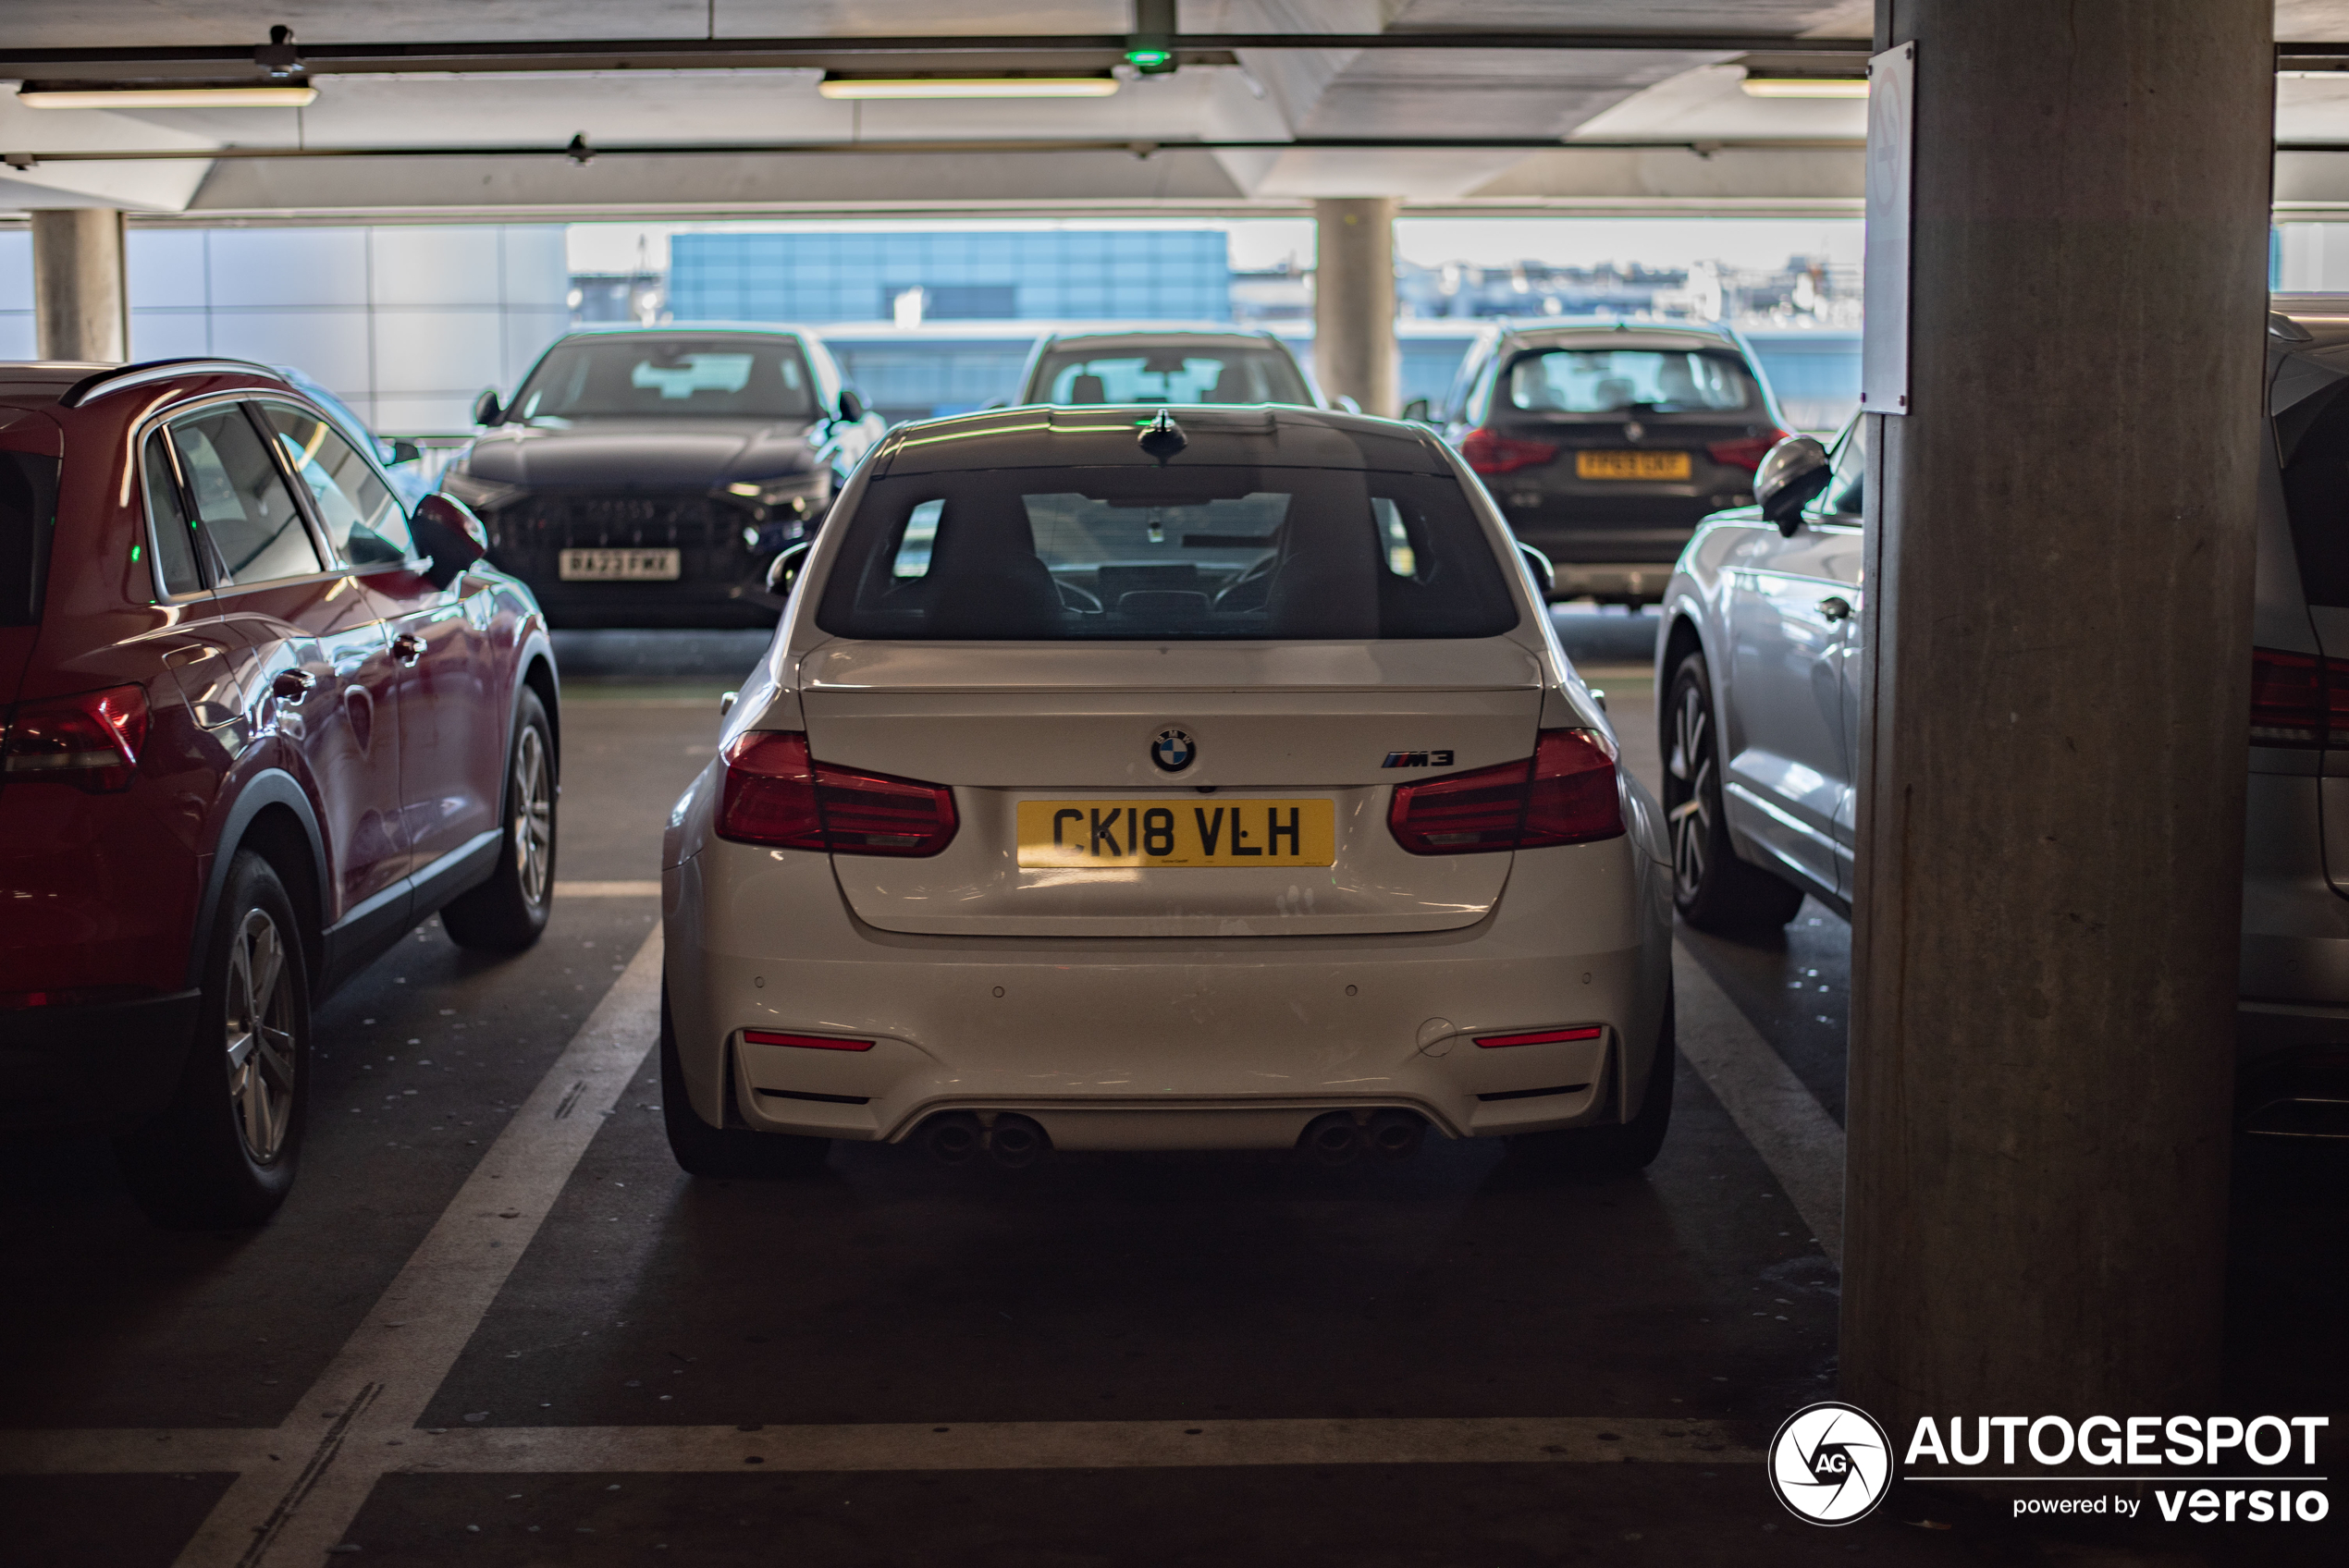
x: 1219, y: 554
x: 1184, y: 373
x: 1605, y: 381
x: 682, y: 377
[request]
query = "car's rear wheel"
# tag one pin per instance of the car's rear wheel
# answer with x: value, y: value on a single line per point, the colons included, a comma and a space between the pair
x: 508, y: 912
x: 223, y: 1153
x: 1624, y: 1146
x: 704, y: 1150
x: 1713, y: 888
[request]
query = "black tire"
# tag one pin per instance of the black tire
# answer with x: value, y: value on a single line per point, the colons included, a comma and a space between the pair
x: 1711, y: 886
x: 1623, y: 1146
x: 704, y: 1150
x: 508, y: 912
x: 222, y: 1154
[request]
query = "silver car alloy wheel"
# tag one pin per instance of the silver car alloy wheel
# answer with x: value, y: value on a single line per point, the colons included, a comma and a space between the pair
x: 533, y: 815
x: 1690, y: 766
x: 259, y: 1036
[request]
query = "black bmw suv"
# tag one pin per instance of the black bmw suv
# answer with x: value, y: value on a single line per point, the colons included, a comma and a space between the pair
x: 648, y: 476
x: 1606, y: 443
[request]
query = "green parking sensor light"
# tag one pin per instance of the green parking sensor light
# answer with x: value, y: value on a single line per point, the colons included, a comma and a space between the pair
x: 1150, y: 49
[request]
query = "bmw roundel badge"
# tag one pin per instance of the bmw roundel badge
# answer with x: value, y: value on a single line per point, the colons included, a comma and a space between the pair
x: 1173, y: 751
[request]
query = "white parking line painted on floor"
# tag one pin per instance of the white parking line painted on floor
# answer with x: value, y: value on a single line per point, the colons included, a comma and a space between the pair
x: 340, y: 1433
x: 1799, y: 1142
x: 606, y: 890
x: 986, y: 1445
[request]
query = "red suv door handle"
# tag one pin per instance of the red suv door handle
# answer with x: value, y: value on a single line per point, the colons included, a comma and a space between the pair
x: 407, y: 647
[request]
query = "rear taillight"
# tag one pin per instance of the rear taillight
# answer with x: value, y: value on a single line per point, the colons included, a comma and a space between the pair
x: 776, y: 794
x: 1488, y: 453
x: 1746, y: 453
x: 90, y: 740
x: 1564, y: 793
x: 2297, y: 698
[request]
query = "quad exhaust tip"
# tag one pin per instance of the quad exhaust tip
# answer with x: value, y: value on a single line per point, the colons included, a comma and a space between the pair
x: 1338, y: 1137
x: 1011, y: 1141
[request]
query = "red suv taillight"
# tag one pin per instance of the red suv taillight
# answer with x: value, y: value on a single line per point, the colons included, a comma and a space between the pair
x: 1488, y: 453
x: 777, y: 794
x: 1746, y: 453
x: 90, y: 740
x: 2296, y: 699
x: 1564, y: 793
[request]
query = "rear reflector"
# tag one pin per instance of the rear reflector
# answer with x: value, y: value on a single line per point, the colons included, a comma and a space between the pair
x: 1488, y: 453
x: 90, y: 740
x: 808, y: 1042
x: 1542, y: 1037
x: 776, y: 794
x: 1565, y: 794
x: 2298, y: 699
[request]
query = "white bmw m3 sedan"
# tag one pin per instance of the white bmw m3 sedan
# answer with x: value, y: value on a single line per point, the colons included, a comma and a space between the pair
x: 1130, y: 778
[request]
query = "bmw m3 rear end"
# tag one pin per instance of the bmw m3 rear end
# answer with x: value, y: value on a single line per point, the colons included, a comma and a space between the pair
x: 1123, y: 782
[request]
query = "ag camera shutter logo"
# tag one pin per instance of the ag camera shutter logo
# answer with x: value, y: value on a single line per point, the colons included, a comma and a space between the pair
x: 1830, y: 1464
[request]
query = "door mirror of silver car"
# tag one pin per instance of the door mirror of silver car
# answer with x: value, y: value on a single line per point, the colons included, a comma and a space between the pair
x: 1345, y: 404
x: 405, y: 451
x: 450, y: 535
x: 1417, y: 411
x: 487, y: 410
x: 1791, y: 473
x: 783, y: 570
x: 852, y: 407
x: 1545, y: 576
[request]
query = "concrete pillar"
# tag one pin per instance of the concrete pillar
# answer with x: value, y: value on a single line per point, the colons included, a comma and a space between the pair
x: 82, y: 304
x: 2051, y: 748
x: 1354, y: 350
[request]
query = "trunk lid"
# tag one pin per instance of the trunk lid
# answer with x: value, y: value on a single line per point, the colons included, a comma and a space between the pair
x: 1078, y: 726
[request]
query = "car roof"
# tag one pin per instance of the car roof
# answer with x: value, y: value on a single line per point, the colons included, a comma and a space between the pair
x: 1165, y: 337
x: 1620, y: 335
x: 1107, y: 434
x: 691, y: 329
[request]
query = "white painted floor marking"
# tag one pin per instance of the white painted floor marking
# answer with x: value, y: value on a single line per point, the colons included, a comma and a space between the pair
x: 606, y: 890
x: 982, y: 1445
x: 1799, y: 1142
x: 385, y: 1375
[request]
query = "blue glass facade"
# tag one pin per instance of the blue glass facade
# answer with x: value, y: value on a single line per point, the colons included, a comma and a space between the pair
x: 1090, y: 275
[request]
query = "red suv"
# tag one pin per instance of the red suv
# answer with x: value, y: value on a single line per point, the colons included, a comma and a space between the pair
x: 256, y: 721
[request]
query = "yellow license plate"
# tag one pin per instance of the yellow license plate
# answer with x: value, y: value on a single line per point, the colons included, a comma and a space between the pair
x: 1097, y: 834
x: 1631, y: 465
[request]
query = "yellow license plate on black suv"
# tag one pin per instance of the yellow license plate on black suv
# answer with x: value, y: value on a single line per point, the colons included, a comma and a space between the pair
x: 1631, y: 465
x: 1097, y: 834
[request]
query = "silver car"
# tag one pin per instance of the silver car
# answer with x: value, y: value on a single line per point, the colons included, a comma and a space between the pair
x: 1757, y: 702
x: 1178, y: 366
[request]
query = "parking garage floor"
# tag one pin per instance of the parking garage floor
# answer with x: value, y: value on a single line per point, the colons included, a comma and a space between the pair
x: 496, y: 1325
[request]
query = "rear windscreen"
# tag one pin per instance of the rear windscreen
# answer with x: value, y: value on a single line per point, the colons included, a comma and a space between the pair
x: 1605, y: 381
x: 1188, y: 374
x: 1130, y: 554
x: 28, y: 516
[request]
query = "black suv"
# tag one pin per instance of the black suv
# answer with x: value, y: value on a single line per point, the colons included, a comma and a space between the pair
x: 648, y: 476
x: 1605, y: 442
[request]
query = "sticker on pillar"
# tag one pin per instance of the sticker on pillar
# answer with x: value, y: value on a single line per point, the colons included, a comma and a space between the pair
x: 1830, y: 1464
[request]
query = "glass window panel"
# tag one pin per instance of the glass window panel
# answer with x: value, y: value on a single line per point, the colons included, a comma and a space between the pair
x: 174, y: 533
x: 363, y: 519
x: 1599, y: 381
x: 243, y: 504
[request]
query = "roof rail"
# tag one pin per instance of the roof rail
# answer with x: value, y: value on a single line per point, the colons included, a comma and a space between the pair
x: 90, y: 388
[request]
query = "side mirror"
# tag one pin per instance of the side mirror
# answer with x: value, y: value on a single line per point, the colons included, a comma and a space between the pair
x: 1345, y: 404
x: 1545, y: 576
x: 487, y: 410
x: 852, y: 407
x: 1790, y: 474
x: 1417, y: 409
x: 450, y: 535
x: 783, y: 570
x: 405, y: 451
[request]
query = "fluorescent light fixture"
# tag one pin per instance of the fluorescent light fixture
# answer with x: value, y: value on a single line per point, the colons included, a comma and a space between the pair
x: 1096, y: 86
x: 192, y: 97
x: 1806, y: 86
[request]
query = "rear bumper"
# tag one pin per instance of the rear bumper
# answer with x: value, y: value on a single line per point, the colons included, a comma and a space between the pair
x: 1644, y: 581
x: 101, y: 1068
x: 1159, y: 1043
